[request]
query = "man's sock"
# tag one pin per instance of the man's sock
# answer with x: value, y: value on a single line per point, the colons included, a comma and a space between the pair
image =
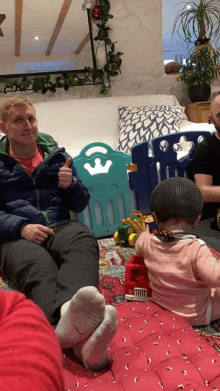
x: 93, y: 352
x: 80, y: 316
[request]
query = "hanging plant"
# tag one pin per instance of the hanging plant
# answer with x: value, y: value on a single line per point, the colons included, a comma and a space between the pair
x: 89, y: 76
x: 113, y: 65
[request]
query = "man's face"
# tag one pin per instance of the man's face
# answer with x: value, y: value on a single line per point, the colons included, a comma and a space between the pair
x: 215, y: 116
x: 21, y: 125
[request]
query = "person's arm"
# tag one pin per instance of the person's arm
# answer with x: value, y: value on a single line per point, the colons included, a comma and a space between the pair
x: 203, y: 171
x: 30, y: 355
x: 207, y: 267
x: 76, y: 195
x: 11, y: 225
x: 15, y: 227
x: 209, y: 192
x: 141, y: 243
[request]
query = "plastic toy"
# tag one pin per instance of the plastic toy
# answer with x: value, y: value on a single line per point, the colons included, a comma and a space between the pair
x: 132, y: 227
x: 136, y: 280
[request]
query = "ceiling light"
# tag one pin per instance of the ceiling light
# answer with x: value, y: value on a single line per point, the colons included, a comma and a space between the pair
x: 37, y: 38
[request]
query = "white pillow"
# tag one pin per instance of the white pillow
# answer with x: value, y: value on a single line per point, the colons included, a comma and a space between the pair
x: 138, y: 124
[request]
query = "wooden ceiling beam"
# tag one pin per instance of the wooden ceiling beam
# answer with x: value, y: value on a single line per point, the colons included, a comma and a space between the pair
x: 82, y: 44
x: 64, y: 10
x: 18, y: 23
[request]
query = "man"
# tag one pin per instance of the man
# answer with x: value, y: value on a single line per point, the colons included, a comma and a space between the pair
x: 207, y: 159
x: 206, y: 175
x: 52, y: 260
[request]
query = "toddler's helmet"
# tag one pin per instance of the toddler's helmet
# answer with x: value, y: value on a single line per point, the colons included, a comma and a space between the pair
x: 177, y: 197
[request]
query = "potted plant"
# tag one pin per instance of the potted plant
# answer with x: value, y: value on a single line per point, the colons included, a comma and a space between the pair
x: 198, y: 24
x: 195, y: 21
x: 200, y: 71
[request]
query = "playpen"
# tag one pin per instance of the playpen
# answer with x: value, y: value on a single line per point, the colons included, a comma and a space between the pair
x: 119, y: 183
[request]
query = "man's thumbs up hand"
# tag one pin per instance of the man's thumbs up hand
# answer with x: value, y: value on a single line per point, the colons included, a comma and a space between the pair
x: 67, y: 162
x: 65, y: 174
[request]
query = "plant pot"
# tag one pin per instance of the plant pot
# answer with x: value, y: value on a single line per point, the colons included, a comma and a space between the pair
x: 201, y: 41
x: 198, y: 93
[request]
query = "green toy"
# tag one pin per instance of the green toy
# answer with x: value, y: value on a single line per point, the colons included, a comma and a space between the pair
x: 131, y: 228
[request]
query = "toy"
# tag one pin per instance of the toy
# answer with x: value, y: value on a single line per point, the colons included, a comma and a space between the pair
x: 136, y: 280
x: 132, y: 227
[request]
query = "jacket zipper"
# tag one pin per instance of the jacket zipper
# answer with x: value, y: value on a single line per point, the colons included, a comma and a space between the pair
x: 34, y: 181
x: 37, y: 191
x: 47, y: 159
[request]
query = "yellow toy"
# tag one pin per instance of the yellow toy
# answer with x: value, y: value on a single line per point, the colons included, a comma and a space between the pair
x: 132, y: 227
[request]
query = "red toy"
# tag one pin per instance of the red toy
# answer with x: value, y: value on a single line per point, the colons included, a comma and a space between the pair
x: 136, y: 280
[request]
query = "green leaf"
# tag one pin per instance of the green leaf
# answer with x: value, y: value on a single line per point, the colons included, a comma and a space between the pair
x: 52, y: 89
x: 44, y: 90
x: 48, y: 77
x: 66, y: 86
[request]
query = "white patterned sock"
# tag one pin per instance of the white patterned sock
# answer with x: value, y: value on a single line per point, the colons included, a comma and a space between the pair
x: 93, y: 352
x: 80, y: 316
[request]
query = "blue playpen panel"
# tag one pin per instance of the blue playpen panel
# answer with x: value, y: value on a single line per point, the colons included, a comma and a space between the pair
x: 104, y: 172
x: 172, y: 156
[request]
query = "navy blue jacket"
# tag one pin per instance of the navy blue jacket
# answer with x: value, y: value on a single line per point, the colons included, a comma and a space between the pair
x: 36, y: 198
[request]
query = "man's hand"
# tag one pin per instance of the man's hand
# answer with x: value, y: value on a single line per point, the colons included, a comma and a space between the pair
x: 65, y: 174
x: 36, y: 233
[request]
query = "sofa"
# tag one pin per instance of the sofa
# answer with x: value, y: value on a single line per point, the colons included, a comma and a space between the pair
x: 74, y: 123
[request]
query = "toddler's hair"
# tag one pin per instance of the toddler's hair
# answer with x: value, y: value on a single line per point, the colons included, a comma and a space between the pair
x: 177, y: 198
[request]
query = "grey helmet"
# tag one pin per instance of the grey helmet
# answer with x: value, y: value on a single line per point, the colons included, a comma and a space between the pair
x: 177, y: 197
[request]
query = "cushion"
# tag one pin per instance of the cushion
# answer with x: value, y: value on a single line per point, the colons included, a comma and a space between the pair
x: 138, y: 124
x: 153, y: 350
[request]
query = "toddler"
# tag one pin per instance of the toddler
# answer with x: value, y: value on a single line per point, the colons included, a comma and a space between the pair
x: 181, y: 268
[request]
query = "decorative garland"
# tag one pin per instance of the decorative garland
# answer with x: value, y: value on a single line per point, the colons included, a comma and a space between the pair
x: 66, y: 80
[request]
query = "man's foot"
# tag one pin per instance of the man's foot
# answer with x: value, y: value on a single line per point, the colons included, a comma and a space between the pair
x: 93, y: 352
x: 80, y: 316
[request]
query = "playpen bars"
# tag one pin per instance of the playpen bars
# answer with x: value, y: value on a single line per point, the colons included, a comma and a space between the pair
x: 172, y: 156
x: 104, y: 173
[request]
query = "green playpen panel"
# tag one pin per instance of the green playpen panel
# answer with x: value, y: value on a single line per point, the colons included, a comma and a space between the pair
x: 103, y: 171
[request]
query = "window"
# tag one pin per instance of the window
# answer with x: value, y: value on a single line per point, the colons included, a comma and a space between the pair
x: 173, y: 51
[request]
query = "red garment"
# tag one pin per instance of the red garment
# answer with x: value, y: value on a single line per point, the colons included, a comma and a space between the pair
x: 30, y: 354
x: 29, y: 163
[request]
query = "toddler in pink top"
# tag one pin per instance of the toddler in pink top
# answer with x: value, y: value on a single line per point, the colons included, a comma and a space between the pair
x: 181, y: 268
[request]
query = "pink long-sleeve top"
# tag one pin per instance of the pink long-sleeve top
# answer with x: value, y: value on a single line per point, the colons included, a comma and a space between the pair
x: 181, y: 274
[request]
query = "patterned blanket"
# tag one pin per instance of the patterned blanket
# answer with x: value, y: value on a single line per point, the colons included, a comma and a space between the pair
x: 112, y: 262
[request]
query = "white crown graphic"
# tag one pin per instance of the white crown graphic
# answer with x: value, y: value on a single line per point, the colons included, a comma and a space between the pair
x: 98, y: 169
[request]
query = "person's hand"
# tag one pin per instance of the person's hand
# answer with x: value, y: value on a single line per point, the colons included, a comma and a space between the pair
x: 65, y: 174
x: 146, y: 227
x: 36, y: 233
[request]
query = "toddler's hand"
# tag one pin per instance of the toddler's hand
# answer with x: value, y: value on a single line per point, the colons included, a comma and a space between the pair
x: 146, y: 227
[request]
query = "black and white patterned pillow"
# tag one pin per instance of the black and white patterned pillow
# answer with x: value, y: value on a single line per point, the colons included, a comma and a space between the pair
x: 138, y: 124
